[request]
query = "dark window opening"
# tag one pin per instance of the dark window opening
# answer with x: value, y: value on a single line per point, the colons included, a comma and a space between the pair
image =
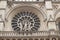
x: 53, y: 38
x: 36, y: 39
x: 19, y: 39
x: 59, y: 25
x: 7, y: 39
x: 37, y: 0
x: 13, y: 39
x: 30, y: 39
x: 47, y: 39
x: 24, y: 39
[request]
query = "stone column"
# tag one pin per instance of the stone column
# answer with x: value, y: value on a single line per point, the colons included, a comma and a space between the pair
x: 2, y: 13
x: 50, y: 15
x: 33, y: 38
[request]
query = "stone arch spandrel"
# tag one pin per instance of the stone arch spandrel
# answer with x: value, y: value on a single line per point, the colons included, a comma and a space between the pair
x: 57, y: 14
x: 57, y: 18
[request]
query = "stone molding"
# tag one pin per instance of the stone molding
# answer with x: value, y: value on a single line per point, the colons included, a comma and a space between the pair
x: 28, y: 34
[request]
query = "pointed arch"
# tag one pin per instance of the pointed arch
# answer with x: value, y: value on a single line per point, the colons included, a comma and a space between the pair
x: 33, y: 6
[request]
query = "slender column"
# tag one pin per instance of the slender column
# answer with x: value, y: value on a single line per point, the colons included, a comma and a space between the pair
x: 56, y: 38
x: 9, y: 39
x: 50, y: 38
x: 27, y: 38
x: 4, y: 39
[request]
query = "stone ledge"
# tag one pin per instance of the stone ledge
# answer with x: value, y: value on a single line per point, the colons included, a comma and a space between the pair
x: 39, y: 33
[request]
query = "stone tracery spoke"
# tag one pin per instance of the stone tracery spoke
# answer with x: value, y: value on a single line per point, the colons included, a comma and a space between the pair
x: 26, y: 21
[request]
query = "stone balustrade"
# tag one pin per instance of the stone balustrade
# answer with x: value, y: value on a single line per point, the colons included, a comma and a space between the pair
x: 26, y: 0
x: 55, y: 0
x: 33, y: 0
x: 39, y: 33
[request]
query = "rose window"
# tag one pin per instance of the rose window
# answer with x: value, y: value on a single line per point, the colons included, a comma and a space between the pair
x: 25, y: 21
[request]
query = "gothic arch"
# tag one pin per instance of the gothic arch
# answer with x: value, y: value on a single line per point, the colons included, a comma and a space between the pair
x: 33, y: 6
x: 56, y: 14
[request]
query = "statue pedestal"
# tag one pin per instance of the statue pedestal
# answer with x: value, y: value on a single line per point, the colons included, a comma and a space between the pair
x: 51, y: 25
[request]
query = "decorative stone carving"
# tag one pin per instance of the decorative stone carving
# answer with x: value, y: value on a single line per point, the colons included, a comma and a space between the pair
x: 55, y: 7
x: 44, y: 9
x: 51, y: 18
x: 25, y: 21
x: 9, y: 4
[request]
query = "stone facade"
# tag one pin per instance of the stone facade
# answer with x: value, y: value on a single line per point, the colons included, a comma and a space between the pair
x: 48, y: 12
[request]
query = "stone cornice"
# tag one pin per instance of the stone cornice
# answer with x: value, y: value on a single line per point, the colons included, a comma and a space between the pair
x: 3, y: 0
x: 22, y: 34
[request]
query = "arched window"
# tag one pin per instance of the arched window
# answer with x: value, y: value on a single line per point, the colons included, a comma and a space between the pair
x: 53, y: 38
x: 58, y: 38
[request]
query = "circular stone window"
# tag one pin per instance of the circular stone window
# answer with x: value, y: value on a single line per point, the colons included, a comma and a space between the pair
x: 25, y: 21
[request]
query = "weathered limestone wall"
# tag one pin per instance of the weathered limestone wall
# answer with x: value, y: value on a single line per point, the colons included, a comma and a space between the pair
x: 3, y: 5
x: 48, y: 9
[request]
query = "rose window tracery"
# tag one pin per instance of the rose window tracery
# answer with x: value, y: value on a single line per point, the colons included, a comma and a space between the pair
x: 25, y: 21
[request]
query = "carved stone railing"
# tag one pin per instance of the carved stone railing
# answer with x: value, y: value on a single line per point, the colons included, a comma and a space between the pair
x: 21, y: 34
x: 33, y: 0
x: 55, y: 0
x: 27, y: 0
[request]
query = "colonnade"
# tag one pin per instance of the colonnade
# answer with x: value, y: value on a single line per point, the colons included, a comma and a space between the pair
x: 30, y: 39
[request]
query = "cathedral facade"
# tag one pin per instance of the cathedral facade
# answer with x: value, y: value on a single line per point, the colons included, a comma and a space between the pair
x: 29, y: 19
